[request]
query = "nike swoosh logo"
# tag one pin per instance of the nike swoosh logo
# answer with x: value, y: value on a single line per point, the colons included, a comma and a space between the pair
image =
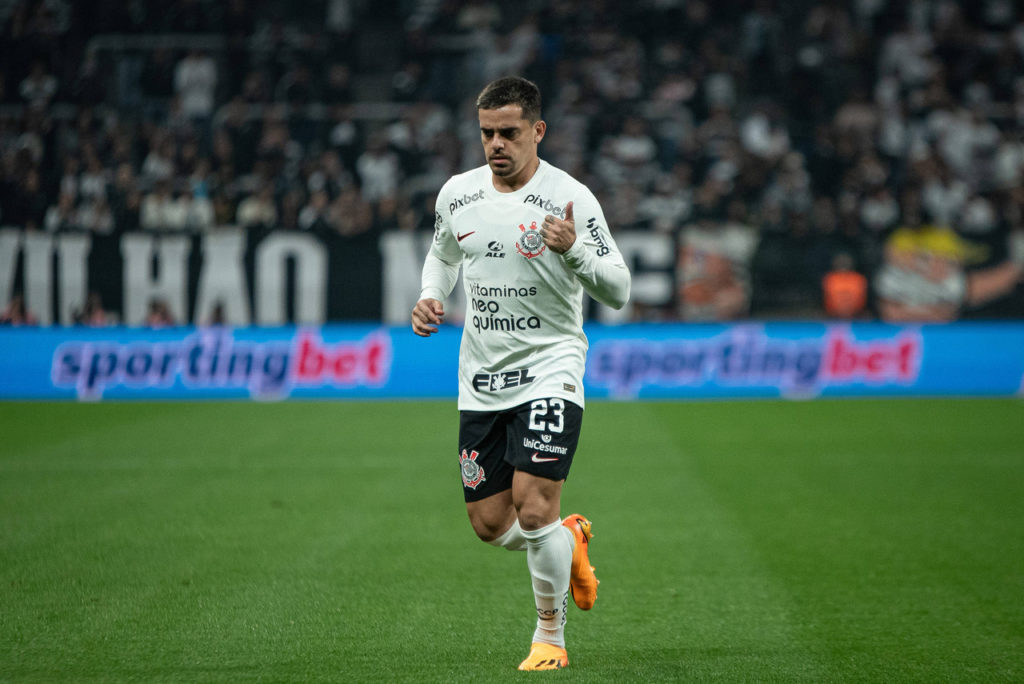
x: 460, y: 238
x: 537, y: 459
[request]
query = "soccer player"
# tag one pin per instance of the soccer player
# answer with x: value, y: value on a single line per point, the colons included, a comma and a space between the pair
x: 530, y: 240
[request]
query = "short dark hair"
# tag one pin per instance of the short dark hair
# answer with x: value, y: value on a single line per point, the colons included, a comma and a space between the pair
x: 511, y: 90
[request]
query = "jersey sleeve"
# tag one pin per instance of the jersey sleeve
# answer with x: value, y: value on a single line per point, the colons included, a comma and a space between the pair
x: 441, y: 267
x: 594, y: 258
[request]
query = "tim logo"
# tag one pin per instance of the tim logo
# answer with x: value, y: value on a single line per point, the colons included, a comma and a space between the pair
x: 495, y: 250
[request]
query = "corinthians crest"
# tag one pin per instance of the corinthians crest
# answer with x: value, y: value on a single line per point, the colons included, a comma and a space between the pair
x: 472, y: 473
x: 530, y: 244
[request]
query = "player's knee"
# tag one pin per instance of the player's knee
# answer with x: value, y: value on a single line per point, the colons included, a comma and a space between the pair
x: 486, y: 533
x: 535, y: 517
x: 487, y: 528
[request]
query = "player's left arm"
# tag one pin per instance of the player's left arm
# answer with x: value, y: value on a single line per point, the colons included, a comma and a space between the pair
x: 586, y: 246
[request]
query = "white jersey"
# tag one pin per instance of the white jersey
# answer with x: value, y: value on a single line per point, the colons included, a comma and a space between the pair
x: 523, y: 337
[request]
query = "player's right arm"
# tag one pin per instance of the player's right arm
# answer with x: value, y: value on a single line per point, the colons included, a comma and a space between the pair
x: 426, y: 316
x: 440, y: 273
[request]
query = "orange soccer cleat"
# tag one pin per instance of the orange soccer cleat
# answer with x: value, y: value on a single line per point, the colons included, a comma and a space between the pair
x: 582, y: 581
x: 545, y: 657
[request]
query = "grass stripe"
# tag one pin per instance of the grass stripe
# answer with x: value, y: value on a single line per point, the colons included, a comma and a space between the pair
x: 305, y: 542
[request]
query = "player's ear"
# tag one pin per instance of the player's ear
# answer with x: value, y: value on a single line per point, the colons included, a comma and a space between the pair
x: 539, y: 128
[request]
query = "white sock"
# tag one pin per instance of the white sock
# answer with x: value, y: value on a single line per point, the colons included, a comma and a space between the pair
x: 512, y: 539
x: 549, y: 557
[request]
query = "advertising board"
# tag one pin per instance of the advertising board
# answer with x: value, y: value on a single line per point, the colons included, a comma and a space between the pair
x: 637, y: 361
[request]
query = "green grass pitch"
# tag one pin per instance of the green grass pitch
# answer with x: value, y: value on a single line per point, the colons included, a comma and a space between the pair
x: 846, y: 541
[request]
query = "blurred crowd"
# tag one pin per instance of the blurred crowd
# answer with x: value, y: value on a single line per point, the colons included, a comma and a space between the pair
x: 808, y: 158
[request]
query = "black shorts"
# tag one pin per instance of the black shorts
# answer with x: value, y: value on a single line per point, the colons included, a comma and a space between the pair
x: 538, y: 437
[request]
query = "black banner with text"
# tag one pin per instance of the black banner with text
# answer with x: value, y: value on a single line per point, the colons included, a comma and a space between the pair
x: 263, y: 278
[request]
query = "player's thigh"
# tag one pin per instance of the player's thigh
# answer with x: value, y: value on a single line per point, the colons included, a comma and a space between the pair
x: 543, y: 436
x: 482, y: 441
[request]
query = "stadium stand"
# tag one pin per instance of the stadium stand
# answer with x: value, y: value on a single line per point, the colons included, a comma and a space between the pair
x: 768, y: 139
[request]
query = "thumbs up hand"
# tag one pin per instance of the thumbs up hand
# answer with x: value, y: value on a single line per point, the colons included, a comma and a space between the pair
x: 559, y: 234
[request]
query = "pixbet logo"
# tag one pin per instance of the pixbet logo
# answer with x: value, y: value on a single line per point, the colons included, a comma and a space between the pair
x: 546, y: 204
x: 465, y: 200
